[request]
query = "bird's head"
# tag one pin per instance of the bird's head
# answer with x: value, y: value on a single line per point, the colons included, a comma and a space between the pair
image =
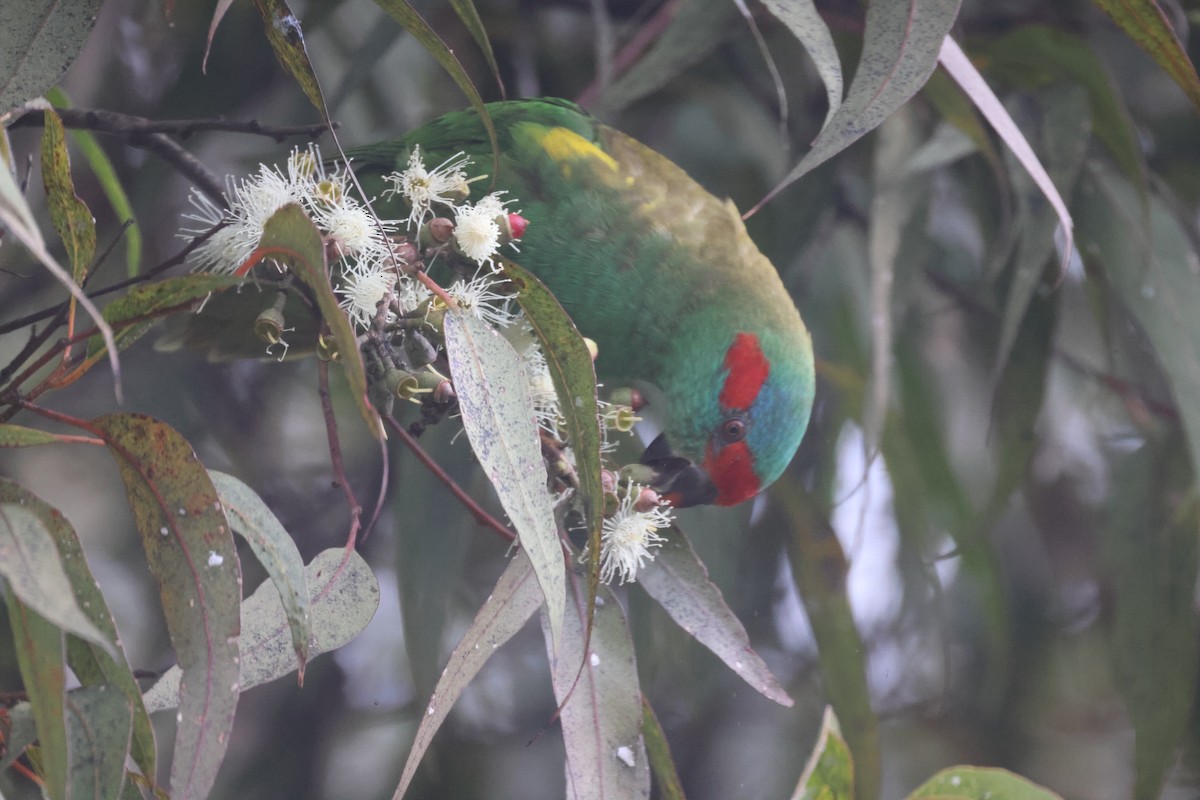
x: 737, y: 416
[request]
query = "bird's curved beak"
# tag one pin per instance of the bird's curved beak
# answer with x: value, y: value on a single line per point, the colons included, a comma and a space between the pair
x: 677, y: 480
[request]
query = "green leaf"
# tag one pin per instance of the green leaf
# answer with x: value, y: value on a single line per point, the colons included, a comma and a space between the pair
x: 20, y: 436
x: 1150, y: 549
x: 106, y: 174
x: 71, y: 217
x: 423, y: 562
x: 497, y: 412
x: 287, y: 40
x: 224, y: 329
x: 19, y: 733
x: 18, y: 219
x: 1065, y: 134
x: 290, y: 237
x: 41, y: 39
x: 92, y: 664
x: 1147, y: 25
x: 963, y: 71
x: 39, y: 645
x: 820, y: 571
x: 191, y: 554
x: 574, y: 377
x: 343, y: 595
x: 1034, y: 56
x: 470, y: 18
x: 99, y: 721
x: 32, y: 565
x: 802, y: 19
x: 403, y: 12
x: 901, y: 43
x: 1152, y: 272
x: 662, y: 766
x: 508, y: 608
x: 678, y: 581
x: 829, y: 774
x: 981, y: 783
x: 600, y: 705
x: 275, y: 550
x: 145, y: 300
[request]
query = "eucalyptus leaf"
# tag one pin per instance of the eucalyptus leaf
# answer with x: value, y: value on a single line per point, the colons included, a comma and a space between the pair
x: 39, y: 40
x: 829, y: 774
x: 32, y: 566
x: 678, y: 581
x: 343, y: 594
x: 273, y: 547
x: 191, y: 554
x: 600, y: 702
x: 497, y: 412
x: 981, y: 783
x: 901, y: 43
x: 510, y: 605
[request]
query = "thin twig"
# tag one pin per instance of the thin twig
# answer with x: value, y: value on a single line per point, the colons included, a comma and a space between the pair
x: 335, y: 452
x: 153, y: 272
x: 187, y: 164
x: 116, y: 123
x: 481, y: 516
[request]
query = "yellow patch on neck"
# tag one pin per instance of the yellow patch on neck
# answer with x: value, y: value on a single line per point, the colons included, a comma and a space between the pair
x: 564, y: 146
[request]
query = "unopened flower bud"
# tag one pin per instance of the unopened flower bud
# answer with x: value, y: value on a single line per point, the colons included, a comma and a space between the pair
x: 515, y: 225
x: 647, y: 500
x: 408, y: 258
x: 437, y: 231
x: 593, y: 348
x: 638, y: 473
x: 628, y: 396
x: 419, y: 350
x: 608, y: 481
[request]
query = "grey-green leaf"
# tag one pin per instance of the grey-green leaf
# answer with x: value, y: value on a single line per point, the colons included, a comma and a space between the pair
x: 602, y: 716
x: 38, y: 41
x: 343, y: 594
x: 253, y: 521
x: 1153, y: 271
x: 30, y: 562
x: 497, y: 412
x: 506, y: 611
x: 92, y: 664
x: 678, y: 581
x: 99, y: 723
x: 901, y: 43
x: 802, y: 19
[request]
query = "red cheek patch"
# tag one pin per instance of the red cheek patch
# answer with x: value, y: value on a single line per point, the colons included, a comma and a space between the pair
x: 732, y: 470
x: 747, y: 372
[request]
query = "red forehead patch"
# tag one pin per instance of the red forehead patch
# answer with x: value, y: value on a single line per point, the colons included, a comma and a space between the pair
x: 732, y: 470
x: 748, y: 369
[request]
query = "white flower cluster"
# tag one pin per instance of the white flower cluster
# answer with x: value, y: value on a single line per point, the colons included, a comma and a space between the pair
x: 629, y: 535
x: 368, y: 274
x: 477, y: 231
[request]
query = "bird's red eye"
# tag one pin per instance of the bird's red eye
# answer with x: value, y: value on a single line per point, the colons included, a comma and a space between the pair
x: 733, y: 430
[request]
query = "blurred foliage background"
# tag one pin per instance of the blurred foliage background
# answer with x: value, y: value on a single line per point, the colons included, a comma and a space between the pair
x: 1016, y: 549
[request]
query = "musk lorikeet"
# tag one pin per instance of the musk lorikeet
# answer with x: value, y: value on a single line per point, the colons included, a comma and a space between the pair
x: 658, y: 272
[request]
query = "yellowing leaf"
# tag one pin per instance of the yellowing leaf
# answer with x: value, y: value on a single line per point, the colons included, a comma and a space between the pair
x: 191, y: 554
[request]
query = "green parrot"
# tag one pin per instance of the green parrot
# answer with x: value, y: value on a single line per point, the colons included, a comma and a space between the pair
x: 658, y: 272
